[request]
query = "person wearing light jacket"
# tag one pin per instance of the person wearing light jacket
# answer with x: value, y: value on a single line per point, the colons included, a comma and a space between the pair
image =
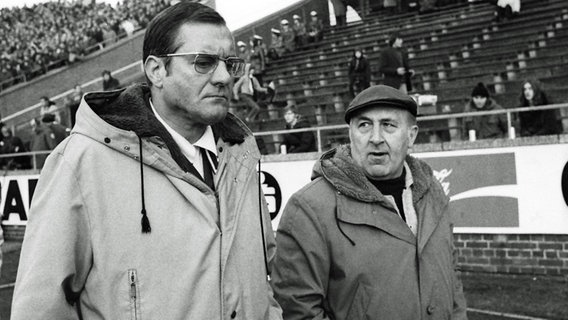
x: 152, y: 208
x: 370, y: 236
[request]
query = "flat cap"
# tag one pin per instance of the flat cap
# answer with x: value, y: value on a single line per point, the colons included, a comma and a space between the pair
x: 241, y: 44
x: 275, y: 31
x: 381, y: 96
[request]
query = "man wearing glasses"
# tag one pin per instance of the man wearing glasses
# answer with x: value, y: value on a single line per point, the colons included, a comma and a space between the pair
x: 152, y: 208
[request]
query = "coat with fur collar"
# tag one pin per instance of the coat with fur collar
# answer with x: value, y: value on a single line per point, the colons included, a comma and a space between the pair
x: 84, y: 249
x: 343, y: 253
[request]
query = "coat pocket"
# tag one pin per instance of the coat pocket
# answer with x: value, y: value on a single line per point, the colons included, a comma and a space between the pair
x: 134, y: 294
x: 359, y: 304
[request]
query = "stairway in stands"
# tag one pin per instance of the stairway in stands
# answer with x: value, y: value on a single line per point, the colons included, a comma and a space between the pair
x: 451, y: 50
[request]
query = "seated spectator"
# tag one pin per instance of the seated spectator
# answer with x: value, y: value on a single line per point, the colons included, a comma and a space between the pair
x: 288, y: 36
x: 489, y: 126
x: 49, y: 107
x: 359, y: 73
x: 507, y: 9
x: 56, y: 33
x: 298, y: 141
x: 276, y: 48
x: 315, y: 28
x: 534, y: 123
x: 258, y: 58
x: 247, y: 88
x: 109, y: 83
x: 12, y: 144
x: 299, y: 28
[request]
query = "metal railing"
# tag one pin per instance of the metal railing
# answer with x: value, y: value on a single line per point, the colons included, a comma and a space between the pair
x: 31, y: 156
x: 319, y: 131
x: 451, y: 117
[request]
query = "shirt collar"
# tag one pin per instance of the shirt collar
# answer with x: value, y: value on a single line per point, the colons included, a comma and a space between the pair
x: 206, y: 141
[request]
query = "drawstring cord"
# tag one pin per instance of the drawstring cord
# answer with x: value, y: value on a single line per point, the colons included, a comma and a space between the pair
x: 262, y: 223
x: 145, y: 222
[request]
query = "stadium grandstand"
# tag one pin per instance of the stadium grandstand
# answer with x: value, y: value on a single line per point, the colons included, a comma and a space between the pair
x: 510, y: 194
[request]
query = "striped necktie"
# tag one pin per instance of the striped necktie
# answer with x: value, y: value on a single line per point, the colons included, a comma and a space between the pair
x: 207, y: 168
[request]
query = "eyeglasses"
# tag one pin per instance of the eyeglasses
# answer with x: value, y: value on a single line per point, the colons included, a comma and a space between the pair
x: 205, y: 63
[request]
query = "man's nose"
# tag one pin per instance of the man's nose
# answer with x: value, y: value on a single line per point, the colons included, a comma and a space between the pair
x: 221, y: 74
x: 376, y: 135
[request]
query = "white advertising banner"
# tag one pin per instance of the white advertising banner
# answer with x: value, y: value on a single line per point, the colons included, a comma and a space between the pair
x: 500, y: 190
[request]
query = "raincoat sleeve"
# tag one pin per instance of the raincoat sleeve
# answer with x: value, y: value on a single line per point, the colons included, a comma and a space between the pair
x: 56, y: 254
x: 274, y: 310
x: 302, y: 263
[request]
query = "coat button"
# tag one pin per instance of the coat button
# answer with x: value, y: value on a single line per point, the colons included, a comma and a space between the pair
x: 430, y: 309
x: 220, y: 149
x: 107, y: 140
x: 127, y: 148
x: 233, y: 315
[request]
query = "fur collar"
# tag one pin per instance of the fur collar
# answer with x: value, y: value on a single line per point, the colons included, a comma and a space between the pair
x: 338, y: 168
x: 129, y: 109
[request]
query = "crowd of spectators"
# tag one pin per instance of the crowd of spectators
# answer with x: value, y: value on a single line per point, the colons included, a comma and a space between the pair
x: 45, y: 36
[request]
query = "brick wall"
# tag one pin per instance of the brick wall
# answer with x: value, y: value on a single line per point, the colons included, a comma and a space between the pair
x: 537, y: 254
x: 14, y: 233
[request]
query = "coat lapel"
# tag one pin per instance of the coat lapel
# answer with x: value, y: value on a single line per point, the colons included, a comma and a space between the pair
x: 374, y: 215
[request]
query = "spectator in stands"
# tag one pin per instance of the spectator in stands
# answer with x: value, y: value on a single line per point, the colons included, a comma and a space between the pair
x: 507, y: 9
x: 488, y: 126
x: 109, y: 82
x: 315, y: 28
x: 12, y: 144
x: 244, y: 52
x: 300, y: 33
x: 298, y: 141
x: 108, y: 35
x: 153, y: 172
x: 258, y: 58
x: 276, y: 49
x: 394, y: 65
x: 49, y: 107
x: 340, y: 10
x: 56, y: 33
x: 72, y: 102
x: 359, y: 73
x: 288, y: 36
x: 46, y: 135
x: 536, y: 123
x: 370, y: 237
x: 246, y: 89
x: 391, y: 6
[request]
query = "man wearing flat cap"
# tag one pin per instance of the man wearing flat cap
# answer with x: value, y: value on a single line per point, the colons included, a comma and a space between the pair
x: 370, y: 236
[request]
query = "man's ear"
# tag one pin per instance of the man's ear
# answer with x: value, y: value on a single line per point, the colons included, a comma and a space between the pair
x: 412, y: 134
x: 155, y: 70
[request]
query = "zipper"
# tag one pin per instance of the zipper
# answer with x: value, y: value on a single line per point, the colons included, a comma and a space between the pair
x: 133, y: 281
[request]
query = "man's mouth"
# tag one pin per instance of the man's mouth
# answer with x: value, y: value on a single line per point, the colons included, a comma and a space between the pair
x: 378, y: 154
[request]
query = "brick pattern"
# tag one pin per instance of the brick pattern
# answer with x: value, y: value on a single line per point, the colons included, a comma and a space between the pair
x: 537, y: 254
x: 14, y: 233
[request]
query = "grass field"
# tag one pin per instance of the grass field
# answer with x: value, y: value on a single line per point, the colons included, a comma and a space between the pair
x: 529, y: 297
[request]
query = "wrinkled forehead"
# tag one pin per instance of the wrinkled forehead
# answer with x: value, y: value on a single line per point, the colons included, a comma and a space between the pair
x: 205, y: 37
x: 379, y: 112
